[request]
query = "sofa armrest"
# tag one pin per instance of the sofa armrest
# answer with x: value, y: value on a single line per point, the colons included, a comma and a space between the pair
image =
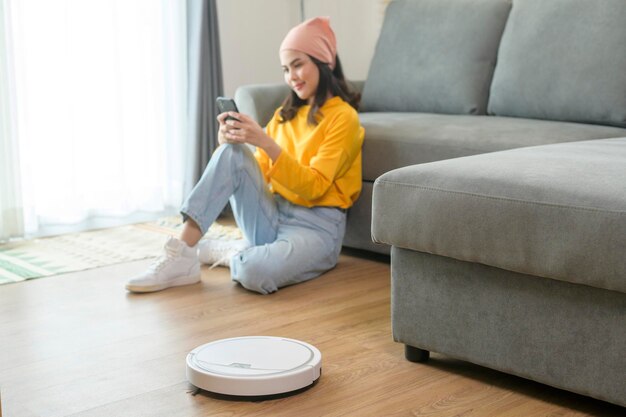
x: 260, y: 101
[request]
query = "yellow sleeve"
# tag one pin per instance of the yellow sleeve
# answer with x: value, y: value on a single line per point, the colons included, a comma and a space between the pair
x: 264, y: 162
x: 262, y: 158
x: 335, y: 155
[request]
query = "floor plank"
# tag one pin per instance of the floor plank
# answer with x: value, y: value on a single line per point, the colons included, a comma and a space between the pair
x: 79, y: 345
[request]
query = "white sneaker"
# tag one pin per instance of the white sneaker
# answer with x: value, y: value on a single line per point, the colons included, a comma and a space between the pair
x: 218, y: 252
x: 178, y: 265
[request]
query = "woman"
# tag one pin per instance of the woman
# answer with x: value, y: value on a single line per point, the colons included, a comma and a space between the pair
x: 290, y: 197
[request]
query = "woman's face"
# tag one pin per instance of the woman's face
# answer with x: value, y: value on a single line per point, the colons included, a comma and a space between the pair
x: 301, y: 73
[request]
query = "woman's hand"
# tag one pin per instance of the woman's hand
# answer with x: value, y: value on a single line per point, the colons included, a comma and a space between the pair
x: 246, y: 130
x: 224, y: 129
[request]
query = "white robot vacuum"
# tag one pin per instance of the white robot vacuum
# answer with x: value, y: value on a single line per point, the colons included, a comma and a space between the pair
x: 254, y: 366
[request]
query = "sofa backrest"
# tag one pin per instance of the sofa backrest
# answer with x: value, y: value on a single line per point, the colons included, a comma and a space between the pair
x: 563, y: 60
x: 435, y: 56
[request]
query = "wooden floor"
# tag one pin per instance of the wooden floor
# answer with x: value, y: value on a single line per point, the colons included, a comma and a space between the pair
x: 79, y: 345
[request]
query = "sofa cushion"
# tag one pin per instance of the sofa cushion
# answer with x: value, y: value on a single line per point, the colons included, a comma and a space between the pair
x: 563, y: 60
x: 394, y: 140
x: 556, y: 211
x: 435, y: 56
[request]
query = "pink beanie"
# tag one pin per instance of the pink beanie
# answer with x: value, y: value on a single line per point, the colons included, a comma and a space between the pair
x: 315, y: 38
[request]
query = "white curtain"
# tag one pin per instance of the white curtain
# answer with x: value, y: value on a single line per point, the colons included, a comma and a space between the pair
x: 101, y: 107
x: 11, y: 220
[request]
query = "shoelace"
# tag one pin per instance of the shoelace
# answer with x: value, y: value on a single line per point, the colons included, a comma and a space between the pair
x: 219, y: 261
x: 224, y: 257
x: 163, y: 260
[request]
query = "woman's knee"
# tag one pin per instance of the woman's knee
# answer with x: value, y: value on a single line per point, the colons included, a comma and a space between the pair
x: 226, y: 150
x: 237, y: 150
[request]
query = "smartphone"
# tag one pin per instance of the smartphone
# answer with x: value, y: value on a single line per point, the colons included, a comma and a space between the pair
x: 227, y: 104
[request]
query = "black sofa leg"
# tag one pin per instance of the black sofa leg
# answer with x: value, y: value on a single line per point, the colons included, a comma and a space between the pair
x: 414, y: 354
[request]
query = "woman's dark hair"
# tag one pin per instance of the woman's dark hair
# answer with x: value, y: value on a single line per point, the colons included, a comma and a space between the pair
x: 332, y: 82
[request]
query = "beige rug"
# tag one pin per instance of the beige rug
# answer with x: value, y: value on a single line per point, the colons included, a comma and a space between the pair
x: 37, y: 258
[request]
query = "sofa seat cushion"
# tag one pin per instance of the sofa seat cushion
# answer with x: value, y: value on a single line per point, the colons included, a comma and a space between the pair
x: 556, y: 211
x: 394, y: 140
x: 563, y: 60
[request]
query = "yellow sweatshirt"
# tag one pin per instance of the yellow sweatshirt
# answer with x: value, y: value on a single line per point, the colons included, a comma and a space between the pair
x: 319, y: 165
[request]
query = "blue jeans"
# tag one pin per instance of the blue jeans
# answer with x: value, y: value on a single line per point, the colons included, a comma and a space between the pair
x: 290, y: 243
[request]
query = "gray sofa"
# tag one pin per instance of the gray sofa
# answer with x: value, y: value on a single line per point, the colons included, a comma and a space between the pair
x: 494, y: 167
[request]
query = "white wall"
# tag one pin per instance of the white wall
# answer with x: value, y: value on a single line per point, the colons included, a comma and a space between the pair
x: 251, y: 32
